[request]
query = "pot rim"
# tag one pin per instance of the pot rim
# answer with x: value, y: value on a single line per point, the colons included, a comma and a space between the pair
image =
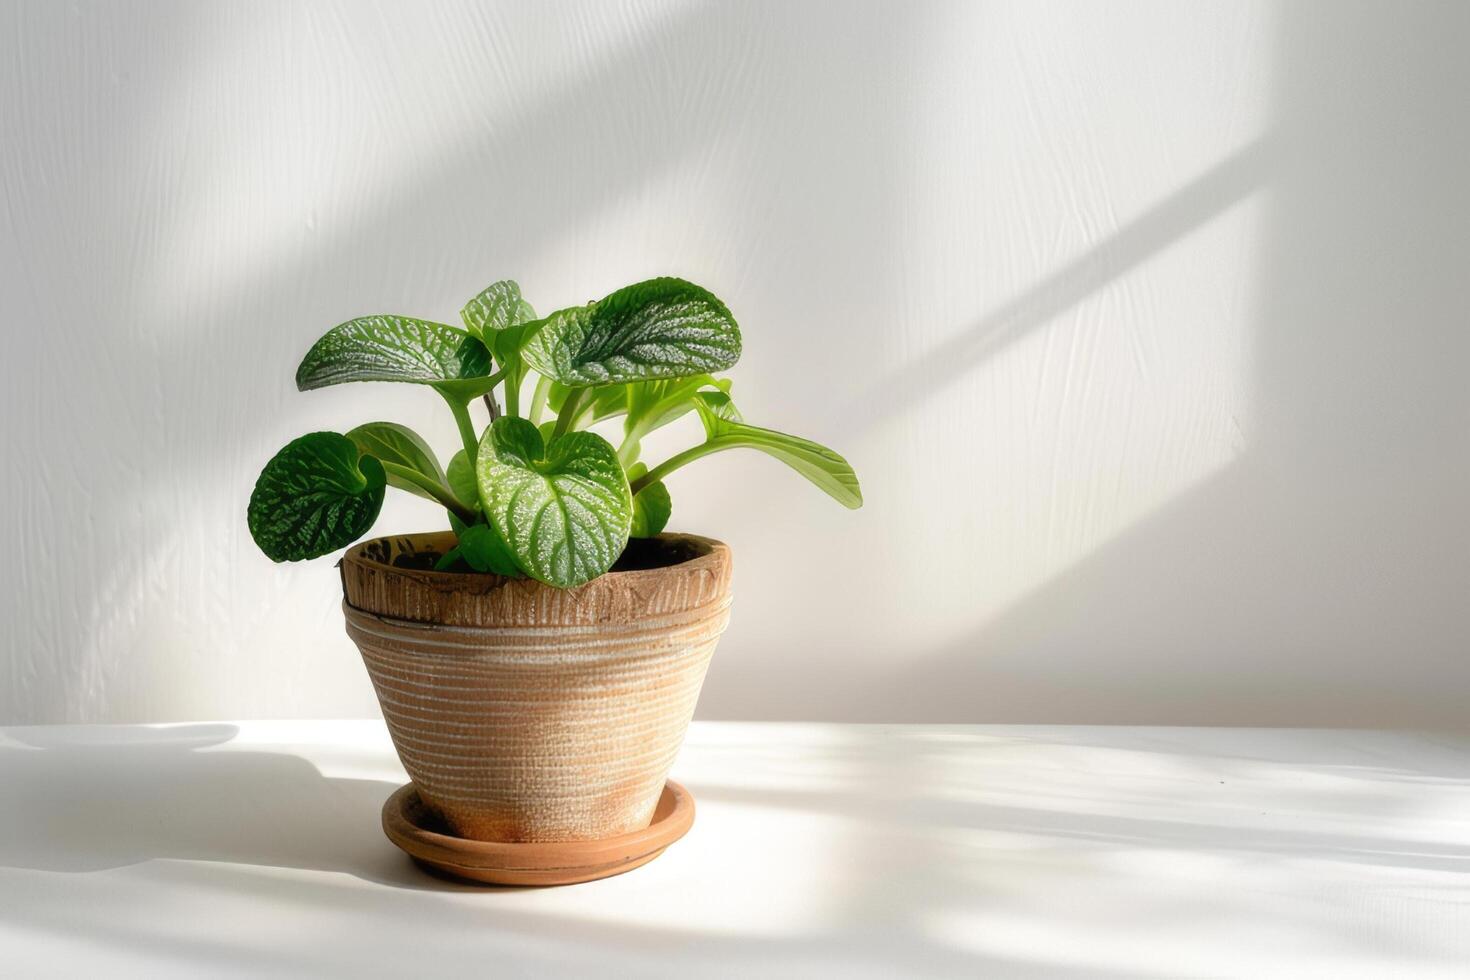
x: 714, y: 554
x: 651, y: 624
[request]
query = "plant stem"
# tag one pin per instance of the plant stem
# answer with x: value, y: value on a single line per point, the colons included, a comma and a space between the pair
x: 538, y: 399
x: 569, y: 412
x: 628, y: 448
x: 654, y: 417
x: 513, y: 392
x: 467, y: 435
x: 439, y: 493
x: 674, y: 462
x: 491, y: 406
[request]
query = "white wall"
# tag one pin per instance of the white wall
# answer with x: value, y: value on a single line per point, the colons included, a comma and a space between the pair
x: 1143, y: 323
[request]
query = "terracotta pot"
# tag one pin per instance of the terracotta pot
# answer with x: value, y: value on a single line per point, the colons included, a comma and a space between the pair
x: 524, y: 712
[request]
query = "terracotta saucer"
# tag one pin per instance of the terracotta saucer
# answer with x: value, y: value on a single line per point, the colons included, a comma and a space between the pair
x: 411, y: 825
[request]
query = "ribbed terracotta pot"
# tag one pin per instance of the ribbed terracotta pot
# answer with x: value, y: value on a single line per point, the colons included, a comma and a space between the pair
x: 524, y: 712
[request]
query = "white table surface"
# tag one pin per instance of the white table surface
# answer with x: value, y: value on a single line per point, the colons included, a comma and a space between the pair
x: 818, y: 850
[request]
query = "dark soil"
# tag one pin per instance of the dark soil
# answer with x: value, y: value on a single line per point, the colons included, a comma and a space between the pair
x: 644, y: 553
x: 425, y: 561
x: 640, y: 554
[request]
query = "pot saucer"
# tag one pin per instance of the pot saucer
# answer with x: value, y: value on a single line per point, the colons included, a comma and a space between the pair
x: 418, y: 832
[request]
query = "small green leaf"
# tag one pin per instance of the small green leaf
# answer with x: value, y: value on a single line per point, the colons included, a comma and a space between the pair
x: 397, y: 348
x: 507, y: 349
x: 395, y: 443
x: 563, y: 510
x: 652, y: 505
x: 316, y: 495
x: 718, y: 404
x: 654, y: 404
x: 662, y: 328
x: 461, y: 479
x: 481, y: 547
x: 498, y: 306
x: 817, y: 463
x: 508, y: 342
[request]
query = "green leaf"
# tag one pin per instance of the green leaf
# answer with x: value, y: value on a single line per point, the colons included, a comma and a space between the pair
x: 316, y: 495
x: 482, y: 553
x: 446, y: 561
x: 817, y: 463
x: 397, y: 348
x: 498, y: 307
x: 662, y: 328
x: 563, y: 510
x: 480, y: 545
x: 508, y: 342
x: 507, y: 350
x: 652, y: 506
x: 461, y: 479
x: 395, y: 443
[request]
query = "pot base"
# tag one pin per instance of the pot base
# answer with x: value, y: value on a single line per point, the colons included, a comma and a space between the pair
x: 418, y: 832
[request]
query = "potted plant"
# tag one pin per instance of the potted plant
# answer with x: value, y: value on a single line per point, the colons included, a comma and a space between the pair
x: 538, y: 662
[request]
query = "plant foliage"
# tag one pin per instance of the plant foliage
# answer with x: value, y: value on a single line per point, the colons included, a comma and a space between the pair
x: 531, y: 493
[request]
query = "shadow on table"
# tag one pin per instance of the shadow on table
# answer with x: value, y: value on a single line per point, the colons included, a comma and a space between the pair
x: 154, y: 800
x: 80, y: 800
x: 212, y: 825
x: 923, y: 853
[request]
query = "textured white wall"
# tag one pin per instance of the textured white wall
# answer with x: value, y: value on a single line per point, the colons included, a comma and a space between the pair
x: 1143, y: 323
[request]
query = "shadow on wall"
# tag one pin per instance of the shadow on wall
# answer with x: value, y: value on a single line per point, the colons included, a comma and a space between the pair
x: 119, y: 623
x: 1349, y: 501
x: 1227, y: 183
